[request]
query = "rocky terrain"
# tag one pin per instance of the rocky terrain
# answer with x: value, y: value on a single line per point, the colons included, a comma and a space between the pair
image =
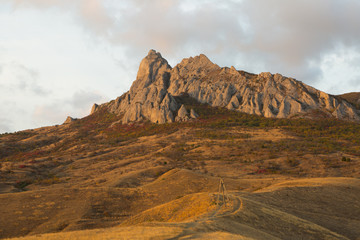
x: 291, y: 171
x: 151, y: 97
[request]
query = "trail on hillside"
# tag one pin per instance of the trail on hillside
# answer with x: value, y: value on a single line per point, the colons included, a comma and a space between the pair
x: 234, y: 205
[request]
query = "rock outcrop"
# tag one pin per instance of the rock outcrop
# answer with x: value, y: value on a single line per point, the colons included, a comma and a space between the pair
x: 70, y: 120
x: 182, y: 115
x: 152, y: 95
x: 148, y: 98
x: 94, y: 108
x: 193, y: 114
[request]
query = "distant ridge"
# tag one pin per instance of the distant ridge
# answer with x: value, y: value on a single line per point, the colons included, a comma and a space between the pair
x: 152, y: 94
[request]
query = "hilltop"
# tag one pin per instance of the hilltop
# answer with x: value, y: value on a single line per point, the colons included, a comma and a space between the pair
x: 118, y: 174
x: 152, y: 95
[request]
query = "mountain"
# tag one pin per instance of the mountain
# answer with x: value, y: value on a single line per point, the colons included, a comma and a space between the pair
x: 210, y: 171
x: 153, y: 94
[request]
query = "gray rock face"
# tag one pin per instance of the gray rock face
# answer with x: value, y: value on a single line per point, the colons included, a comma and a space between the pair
x: 193, y: 114
x: 264, y: 94
x: 182, y: 115
x: 69, y: 120
x: 148, y: 98
x: 94, y: 108
x: 151, y: 97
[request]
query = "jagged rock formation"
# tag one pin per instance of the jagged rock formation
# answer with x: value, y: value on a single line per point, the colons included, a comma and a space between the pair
x: 183, y: 114
x: 70, y: 120
x: 352, y: 97
x: 149, y: 98
x: 94, y: 108
x: 193, y: 114
x: 152, y: 94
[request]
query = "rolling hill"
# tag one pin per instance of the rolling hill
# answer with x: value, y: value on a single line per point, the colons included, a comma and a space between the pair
x: 291, y: 170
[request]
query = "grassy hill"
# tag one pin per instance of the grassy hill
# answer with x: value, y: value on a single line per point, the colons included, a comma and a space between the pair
x: 285, y: 178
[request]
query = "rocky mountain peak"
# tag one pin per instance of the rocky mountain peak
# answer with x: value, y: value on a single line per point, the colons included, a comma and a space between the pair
x: 195, y: 66
x: 153, y: 69
x: 153, y: 94
x: 70, y: 120
x: 148, y: 98
x: 200, y: 60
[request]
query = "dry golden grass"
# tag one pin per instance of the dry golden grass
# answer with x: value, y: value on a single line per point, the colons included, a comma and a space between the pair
x: 284, y: 180
x: 296, y: 209
x: 179, y: 210
x: 136, y: 233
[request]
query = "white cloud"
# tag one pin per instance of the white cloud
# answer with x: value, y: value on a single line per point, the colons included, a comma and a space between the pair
x: 348, y: 79
x: 98, y: 44
x: 5, y: 125
x: 49, y: 113
x: 278, y: 36
x: 78, y: 105
x: 15, y: 77
x: 82, y: 101
x: 45, y: 59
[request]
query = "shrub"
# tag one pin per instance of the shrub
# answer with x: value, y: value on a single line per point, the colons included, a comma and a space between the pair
x: 292, y: 162
x: 260, y: 171
x: 22, y: 184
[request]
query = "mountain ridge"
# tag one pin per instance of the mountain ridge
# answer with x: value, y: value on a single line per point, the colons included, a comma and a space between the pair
x: 152, y: 95
x: 96, y: 173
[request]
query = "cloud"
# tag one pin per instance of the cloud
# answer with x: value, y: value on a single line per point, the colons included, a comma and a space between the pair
x: 296, y: 33
x: 19, y: 87
x: 26, y: 104
x: 12, y: 116
x: 176, y: 31
x: 348, y: 79
x: 92, y: 14
x: 17, y: 78
x: 82, y: 101
x: 291, y: 37
x: 49, y: 113
x: 5, y: 125
x: 317, y: 42
x: 56, y: 111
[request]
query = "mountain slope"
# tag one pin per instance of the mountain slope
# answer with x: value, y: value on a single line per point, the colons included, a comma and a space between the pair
x: 152, y: 95
x: 91, y: 178
x: 91, y: 173
x: 353, y: 97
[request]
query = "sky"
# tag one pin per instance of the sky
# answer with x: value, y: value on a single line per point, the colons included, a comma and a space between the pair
x: 58, y: 57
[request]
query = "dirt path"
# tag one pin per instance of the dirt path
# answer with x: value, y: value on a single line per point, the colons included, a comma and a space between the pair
x: 198, y: 226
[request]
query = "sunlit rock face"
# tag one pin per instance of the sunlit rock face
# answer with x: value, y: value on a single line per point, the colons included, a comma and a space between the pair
x: 152, y: 94
x: 148, y: 98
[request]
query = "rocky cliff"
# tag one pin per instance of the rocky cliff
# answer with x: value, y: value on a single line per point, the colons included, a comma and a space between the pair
x: 151, y: 96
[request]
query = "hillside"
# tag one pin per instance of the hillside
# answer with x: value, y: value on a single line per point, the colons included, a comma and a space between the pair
x: 92, y: 174
x: 101, y: 177
x: 353, y: 98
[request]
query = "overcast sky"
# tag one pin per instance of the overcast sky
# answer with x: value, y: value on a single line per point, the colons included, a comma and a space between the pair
x: 58, y: 57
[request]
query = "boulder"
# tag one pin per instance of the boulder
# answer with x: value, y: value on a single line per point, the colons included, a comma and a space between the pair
x: 182, y: 115
x: 193, y: 114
